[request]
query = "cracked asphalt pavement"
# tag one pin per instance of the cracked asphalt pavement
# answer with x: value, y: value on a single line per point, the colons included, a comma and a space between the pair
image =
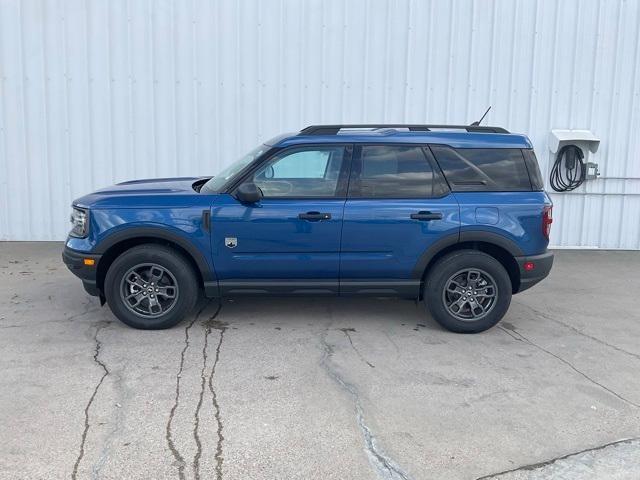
x: 321, y: 388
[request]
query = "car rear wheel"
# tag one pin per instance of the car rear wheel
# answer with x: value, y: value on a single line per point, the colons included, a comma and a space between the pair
x: 151, y: 287
x: 467, y: 291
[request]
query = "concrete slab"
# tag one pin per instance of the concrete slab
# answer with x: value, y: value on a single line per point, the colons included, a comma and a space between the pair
x: 320, y: 388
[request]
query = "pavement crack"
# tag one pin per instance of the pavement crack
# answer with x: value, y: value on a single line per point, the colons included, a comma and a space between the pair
x: 392, y: 341
x: 209, y: 325
x: 518, y: 336
x: 168, y: 435
x: 87, y: 310
x: 580, y: 332
x: 347, y: 331
x: 122, y: 398
x: 385, y: 467
x: 536, y: 466
x: 222, y: 327
x: 87, y: 423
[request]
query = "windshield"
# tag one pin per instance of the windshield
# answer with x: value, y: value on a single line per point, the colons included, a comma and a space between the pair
x: 216, y: 183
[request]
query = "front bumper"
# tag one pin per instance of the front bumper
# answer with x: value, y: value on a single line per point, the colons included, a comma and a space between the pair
x: 542, y: 266
x: 75, y: 261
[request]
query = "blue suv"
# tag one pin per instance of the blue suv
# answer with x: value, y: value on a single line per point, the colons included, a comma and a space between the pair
x: 455, y: 216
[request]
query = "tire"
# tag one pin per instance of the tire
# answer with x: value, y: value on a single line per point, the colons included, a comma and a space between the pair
x: 446, y: 291
x: 175, y: 288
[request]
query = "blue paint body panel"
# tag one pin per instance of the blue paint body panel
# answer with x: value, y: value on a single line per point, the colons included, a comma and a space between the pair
x: 519, y: 217
x: 381, y: 241
x: 174, y: 207
x: 272, y: 242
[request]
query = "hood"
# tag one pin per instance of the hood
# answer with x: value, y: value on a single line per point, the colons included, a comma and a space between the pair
x: 152, y: 192
x: 150, y: 186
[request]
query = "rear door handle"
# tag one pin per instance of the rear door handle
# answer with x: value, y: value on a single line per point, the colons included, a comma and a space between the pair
x: 314, y: 216
x: 426, y: 216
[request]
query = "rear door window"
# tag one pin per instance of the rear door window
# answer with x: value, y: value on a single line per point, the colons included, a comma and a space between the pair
x: 483, y: 169
x: 393, y: 171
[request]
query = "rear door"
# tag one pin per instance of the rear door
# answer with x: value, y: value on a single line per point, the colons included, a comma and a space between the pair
x: 397, y: 206
x: 496, y: 194
x: 289, y: 242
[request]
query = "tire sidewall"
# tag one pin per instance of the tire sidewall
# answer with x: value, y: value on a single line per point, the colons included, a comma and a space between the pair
x: 449, y: 265
x: 165, y: 257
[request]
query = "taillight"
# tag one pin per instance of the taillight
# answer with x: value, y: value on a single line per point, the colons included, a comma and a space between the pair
x: 547, y: 219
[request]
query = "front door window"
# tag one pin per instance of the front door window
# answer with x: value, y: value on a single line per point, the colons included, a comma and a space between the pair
x: 316, y: 172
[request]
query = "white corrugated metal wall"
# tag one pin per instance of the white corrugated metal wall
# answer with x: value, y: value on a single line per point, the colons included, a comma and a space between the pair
x: 96, y: 92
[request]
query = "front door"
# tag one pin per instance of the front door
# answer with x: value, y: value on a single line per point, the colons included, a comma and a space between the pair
x: 289, y: 242
x: 398, y: 205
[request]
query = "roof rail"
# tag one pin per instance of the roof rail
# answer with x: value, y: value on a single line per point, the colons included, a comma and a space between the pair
x: 334, y: 129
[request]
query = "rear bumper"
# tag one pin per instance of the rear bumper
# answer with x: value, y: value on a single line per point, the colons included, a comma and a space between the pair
x: 542, y: 266
x: 74, y: 260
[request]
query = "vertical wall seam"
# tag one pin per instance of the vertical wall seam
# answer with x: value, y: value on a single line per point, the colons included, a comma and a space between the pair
x: 131, y: 131
x: 534, y: 67
x: 111, y: 151
x: 195, y: 85
x: 5, y: 232
x: 174, y: 91
x: 449, y: 83
x: 67, y: 102
x: 610, y: 120
x: 152, y: 90
x: 494, y: 13
x: 343, y: 63
x: 365, y: 66
x: 47, y: 131
x: 469, y: 83
x: 407, y: 61
x: 387, y: 73
x: 512, y: 64
x: 89, y: 112
x: 25, y: 136
x: 429, y: 61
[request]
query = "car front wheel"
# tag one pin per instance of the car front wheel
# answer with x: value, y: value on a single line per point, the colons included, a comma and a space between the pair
x: 467, y: 291
x: 151, y: 287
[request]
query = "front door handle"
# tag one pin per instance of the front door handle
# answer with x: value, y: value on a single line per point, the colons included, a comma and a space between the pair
x: 314, y: 216
x: 426, y: 216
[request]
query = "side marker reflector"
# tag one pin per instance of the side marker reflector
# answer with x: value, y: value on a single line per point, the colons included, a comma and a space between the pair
x: 89, y: 262
x: 528, y: 266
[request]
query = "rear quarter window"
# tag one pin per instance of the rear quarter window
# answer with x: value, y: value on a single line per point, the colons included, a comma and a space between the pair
x: 483, y: 169
x: 530, y: 160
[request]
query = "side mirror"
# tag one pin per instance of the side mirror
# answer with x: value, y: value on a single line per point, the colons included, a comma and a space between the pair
x: 249, y: 193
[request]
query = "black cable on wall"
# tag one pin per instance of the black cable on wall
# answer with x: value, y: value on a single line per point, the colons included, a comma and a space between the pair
x: 569, y: 170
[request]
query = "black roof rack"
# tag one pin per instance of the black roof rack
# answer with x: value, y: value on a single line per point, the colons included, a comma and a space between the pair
x: 334, y: 129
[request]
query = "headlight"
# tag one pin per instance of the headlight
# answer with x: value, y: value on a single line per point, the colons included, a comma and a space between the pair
x: 79, y: 222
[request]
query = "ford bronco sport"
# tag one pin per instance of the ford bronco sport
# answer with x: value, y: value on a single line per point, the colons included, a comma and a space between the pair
x: 455, y: 216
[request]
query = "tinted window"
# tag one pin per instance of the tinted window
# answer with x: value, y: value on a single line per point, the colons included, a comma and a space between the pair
x: 488, y: 169
x: 537, y: 183
x: 391, y: 171
x: 301, y: 172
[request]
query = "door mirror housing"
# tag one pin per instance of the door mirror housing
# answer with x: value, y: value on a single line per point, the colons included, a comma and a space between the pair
x: 249, y: 193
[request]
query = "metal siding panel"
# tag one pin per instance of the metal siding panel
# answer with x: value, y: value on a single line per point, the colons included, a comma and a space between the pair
x: 119, y: 61
x: 93, y: 92
x: 4, y: 164
x: 15, y: 124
